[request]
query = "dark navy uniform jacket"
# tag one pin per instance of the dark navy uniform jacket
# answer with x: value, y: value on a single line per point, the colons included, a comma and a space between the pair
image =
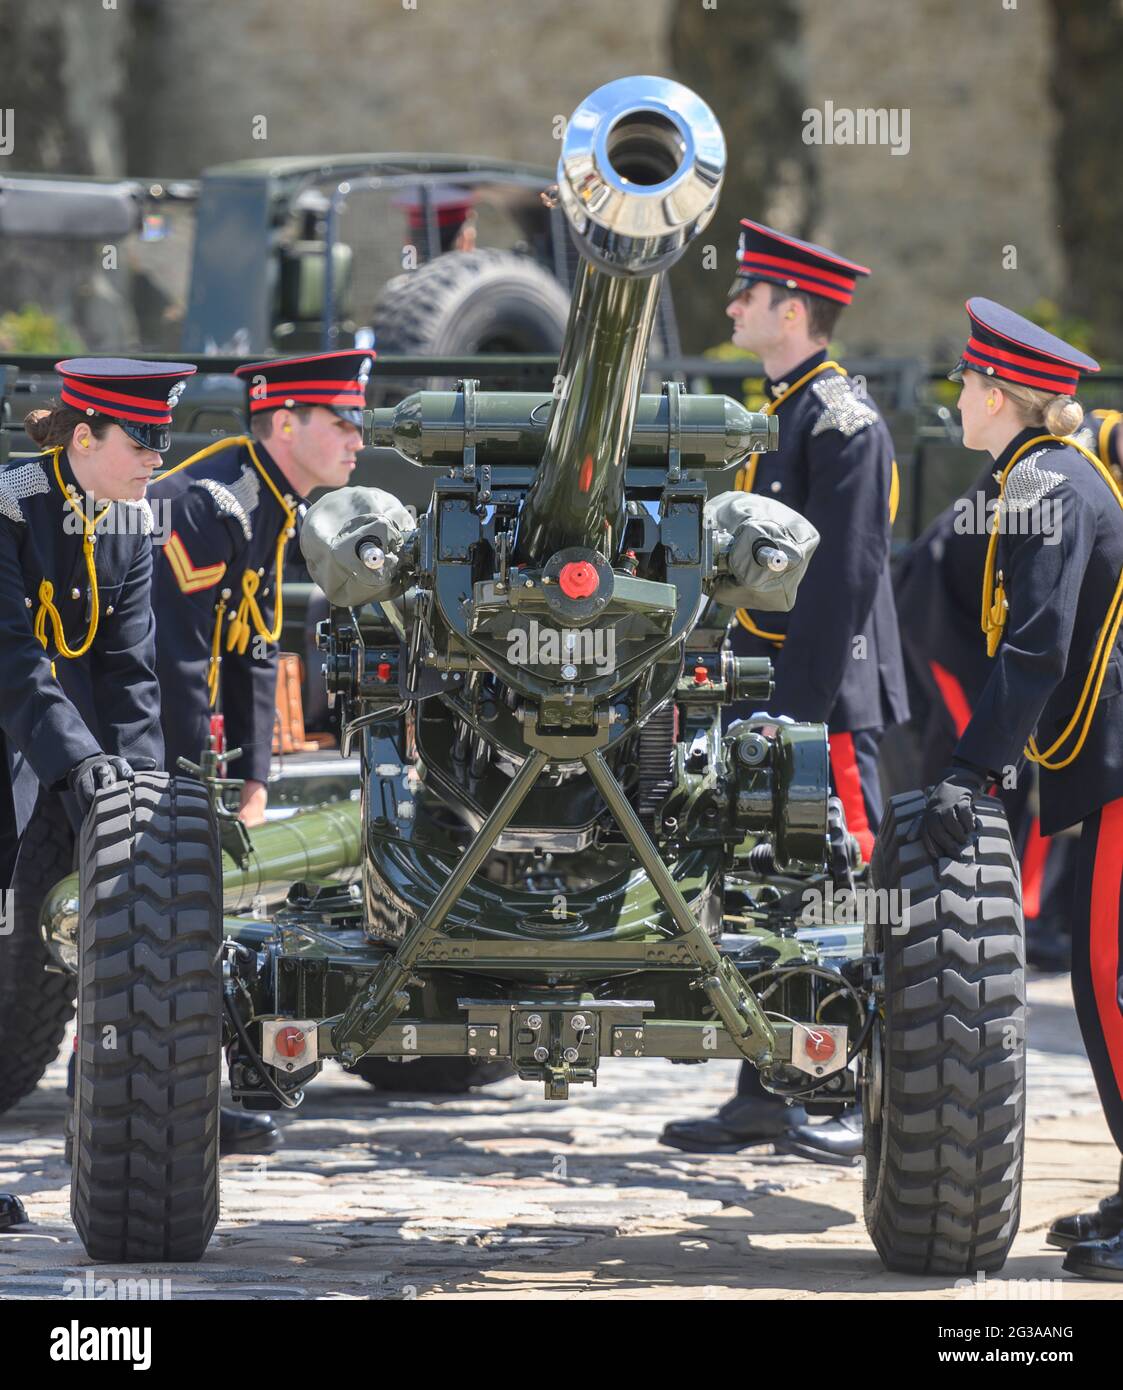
x: 224, y: 520
x: 105, y: 701
x: 834, y: 466
x: 939, y: 588
x: 1058, y: 596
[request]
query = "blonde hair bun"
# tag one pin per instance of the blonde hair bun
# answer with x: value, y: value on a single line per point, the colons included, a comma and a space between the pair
x: 1063, y: 415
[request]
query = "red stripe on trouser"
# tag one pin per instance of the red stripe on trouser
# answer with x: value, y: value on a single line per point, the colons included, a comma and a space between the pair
x: 953, y: 696
x: 1103, y: 944
x: 1034, y: 855
x: 848, y: 787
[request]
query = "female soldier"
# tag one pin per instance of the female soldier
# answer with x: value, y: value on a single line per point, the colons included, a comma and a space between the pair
x: 1052, y: 608
x: 79, y: 704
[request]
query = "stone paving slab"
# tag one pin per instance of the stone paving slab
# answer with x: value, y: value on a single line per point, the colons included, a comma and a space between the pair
x: 501, y: 1194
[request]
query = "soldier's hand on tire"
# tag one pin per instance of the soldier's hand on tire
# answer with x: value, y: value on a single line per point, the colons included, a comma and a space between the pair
x: 89, y: 776
x: 949, y: 815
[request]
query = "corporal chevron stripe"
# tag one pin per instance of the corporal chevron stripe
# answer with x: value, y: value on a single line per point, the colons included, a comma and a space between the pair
x: 190, y: 577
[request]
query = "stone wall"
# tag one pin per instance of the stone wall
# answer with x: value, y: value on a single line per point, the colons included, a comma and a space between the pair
x: 978, y: 177
x: 154, y: 88
x: 464, y: 76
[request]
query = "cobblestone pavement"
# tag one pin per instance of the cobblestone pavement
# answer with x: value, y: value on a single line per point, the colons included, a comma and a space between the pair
x: 502, y: 1193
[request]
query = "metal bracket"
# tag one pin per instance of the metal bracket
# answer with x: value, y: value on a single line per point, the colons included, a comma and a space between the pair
x: 673, y: 392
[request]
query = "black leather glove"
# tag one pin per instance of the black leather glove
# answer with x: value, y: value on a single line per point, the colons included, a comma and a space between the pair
x: 86, y: 778
x: 143, y: 764
x: 949, y: 816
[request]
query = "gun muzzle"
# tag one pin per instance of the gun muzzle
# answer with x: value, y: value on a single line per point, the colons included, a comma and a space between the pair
x: 639, y: 175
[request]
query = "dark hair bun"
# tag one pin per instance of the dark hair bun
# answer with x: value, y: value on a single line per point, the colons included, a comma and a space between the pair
x: 37, y: 424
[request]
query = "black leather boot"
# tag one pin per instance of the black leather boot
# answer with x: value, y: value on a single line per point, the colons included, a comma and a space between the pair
x: 1096, y: 1259
x: 741, y: 1122
x: 834, y: 1141
x: 1102, y: 1224
x: 245, y: 1132
x: 12, y: 1211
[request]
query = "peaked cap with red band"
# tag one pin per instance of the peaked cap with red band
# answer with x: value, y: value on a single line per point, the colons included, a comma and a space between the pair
x: 1010, y: 348
x: 763, y: 254
x: 336, y: 380
x: 138, y: 396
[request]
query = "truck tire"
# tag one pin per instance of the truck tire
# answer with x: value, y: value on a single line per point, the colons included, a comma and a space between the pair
x: 144, y: 1185
x: 944, y: 1075
x: 36, y: 1003
x: 467, y: 302
x: 440, y: 1076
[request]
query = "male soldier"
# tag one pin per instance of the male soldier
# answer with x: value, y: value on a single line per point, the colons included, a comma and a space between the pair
x: 217, y: 586
x: 837, y: 654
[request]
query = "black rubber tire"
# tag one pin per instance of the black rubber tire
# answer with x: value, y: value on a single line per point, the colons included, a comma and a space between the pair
x: 36, y: 1004
x: 468, y: 302
x: 444, y: 1076
x: 144, y: 1185
x: 945, y: 1131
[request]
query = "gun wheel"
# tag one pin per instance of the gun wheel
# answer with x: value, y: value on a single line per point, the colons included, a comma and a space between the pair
x: 36, y: 1003
x: 944, y: 1102
x: 145, y: 1177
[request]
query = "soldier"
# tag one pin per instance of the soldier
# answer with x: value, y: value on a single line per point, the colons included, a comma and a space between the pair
x: 1052, y: 607
x: 1102, y: 433
x: 218, y: 581
x: 79, y: 707
x: 79, y: 703
x: 937, y: 594
x: 837, y: 654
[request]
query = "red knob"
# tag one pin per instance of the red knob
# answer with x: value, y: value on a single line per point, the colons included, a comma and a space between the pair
x: 383, y: 670
x: 290, y: 1042
x: 701, y: 675
x: 820, y: 1046
x: 578, y: 579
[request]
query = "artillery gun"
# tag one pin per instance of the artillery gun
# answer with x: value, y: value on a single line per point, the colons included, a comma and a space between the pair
x: 565, y: 860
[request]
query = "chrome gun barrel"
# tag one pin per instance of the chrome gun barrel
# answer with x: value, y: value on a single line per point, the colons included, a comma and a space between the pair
x: 639, y: 175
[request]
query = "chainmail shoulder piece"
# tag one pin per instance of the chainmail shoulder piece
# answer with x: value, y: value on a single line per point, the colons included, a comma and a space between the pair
x: 25, y: 480
x: 239, y: 500
x: 843, y: 409
x: 1027, y: 483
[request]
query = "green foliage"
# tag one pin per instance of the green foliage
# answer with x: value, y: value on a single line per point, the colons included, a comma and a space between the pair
x: 1077, y: 331
x: 752, y: 387
x: 32, y: 329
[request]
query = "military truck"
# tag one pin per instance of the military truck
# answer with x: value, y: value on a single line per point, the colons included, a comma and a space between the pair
x: 560, y: 857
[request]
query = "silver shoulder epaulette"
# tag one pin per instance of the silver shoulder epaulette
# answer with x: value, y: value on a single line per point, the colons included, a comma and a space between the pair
x: 239, y: 500
x: 26, y: 480
x: 843, y: 409
x: 1027, y: 484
